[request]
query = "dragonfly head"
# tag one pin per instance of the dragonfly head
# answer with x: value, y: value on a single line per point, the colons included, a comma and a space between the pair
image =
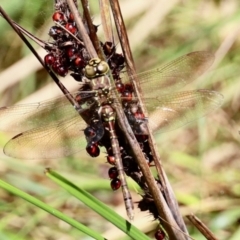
x: 96, y: 68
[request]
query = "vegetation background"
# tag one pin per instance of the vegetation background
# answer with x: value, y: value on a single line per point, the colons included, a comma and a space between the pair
x: 202, y: 160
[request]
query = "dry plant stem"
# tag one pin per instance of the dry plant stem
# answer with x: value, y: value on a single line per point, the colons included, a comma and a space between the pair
x: 173, y: 205
x: 53, y: 76
x: 106, y: 20
x: 87, y: 41
x: 141, y: 161
x: 201, y: 227
x: 92, y: 30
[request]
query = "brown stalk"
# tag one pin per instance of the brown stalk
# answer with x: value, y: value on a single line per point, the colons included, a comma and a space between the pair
x: 166, y: 211
x: 84, y: 35
x: 106, y: 20
x: 92, y: 31
x: 201, y: 227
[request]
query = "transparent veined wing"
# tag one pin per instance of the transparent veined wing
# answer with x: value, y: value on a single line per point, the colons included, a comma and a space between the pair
x: 174, y: 75
x: 23, y: 117
x: 52, y: 141
x: 172, y: 111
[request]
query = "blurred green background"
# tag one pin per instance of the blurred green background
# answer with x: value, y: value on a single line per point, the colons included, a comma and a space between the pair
x: 202, y: 159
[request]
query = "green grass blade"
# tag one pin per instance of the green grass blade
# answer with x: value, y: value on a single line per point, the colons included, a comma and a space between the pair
x: 97, y: 206
x: 50, y: 210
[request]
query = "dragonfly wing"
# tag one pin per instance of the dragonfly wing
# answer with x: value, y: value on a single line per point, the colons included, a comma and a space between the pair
x: 175, y: 110
x: 46, y: 142
x: 174, y: 75
x: 20, y: 118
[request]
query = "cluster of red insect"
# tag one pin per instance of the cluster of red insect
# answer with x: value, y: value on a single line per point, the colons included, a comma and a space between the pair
x: 160, y: 235
x: 67, y: 52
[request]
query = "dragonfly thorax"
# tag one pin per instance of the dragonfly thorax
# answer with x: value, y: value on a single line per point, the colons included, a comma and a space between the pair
x: 100, y: 83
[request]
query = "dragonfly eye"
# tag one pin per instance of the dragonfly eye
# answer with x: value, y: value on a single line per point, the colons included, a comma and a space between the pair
x: 96, y: 68
x: 102, y: 68
x: 90, y: 72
